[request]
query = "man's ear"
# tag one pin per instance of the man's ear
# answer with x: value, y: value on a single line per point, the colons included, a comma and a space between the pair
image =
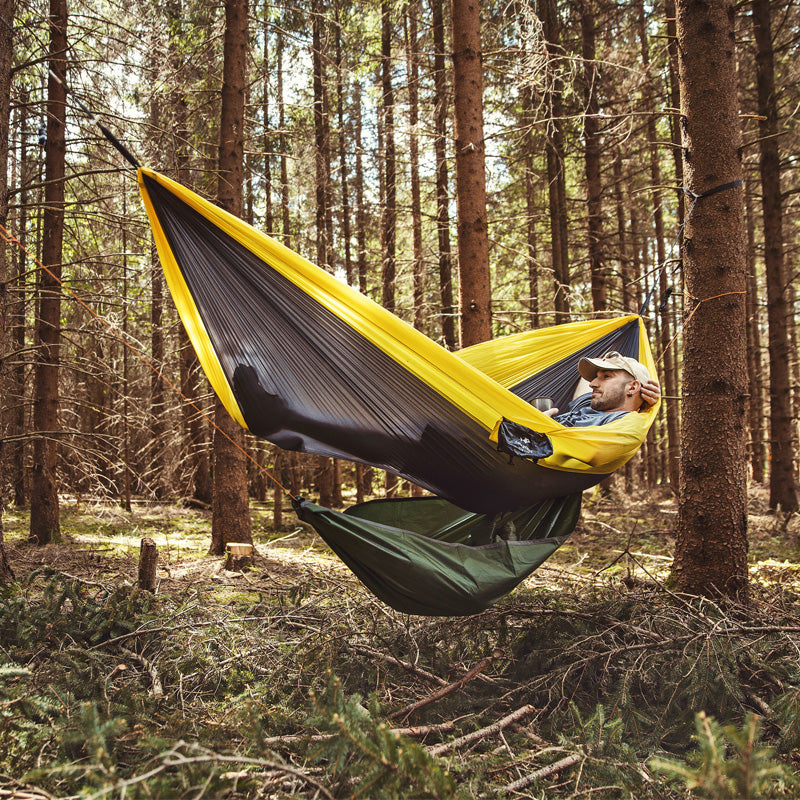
x: 634, y: 388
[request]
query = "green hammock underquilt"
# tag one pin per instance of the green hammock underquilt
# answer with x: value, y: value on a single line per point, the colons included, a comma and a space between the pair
x: 423, y: 555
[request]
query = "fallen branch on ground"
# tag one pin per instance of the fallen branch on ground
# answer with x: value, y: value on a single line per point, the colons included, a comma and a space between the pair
x: 489, y: 730
x: 158, y: 690
x: 452, y: 687
x: 544, y: 772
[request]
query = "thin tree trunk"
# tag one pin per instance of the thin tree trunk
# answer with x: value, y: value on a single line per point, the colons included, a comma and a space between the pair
x: 321, y: 144
x: 442, y: 191
x: 389, y: 216
x: 782, y: 481
x: 754, y: 363
x: 591, y: 137
x: 269, y: 224
x: 285, y: 222
x: 125, y: 491
x: 412, y: 70
x: 625, y: 266
x: 711, y: 541
x: 194, y: 423
x: 44, y: 520
x: 531, y: 147
x: 230, y: 519
x: 157, y: 405
x: 17, y: 313
x: 278, y: 470
x: 556, y: 178
x: 473, y: 234
x: 340, y: 98
x: 361, y: 212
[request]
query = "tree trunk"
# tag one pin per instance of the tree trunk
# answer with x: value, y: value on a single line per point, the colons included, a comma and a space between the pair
x: 269, y: 225
x: 473, y: 234
x: 754, y: 362
x: 12, y: 383
x: 285, y: 222
x: 361, y: 211
x: 389, y: 217
x: 412, y: 70
x: 125, y: 489
x: 321, y: 145
x: 591, y: 137
x: 44, y: 521
x: 531, y: 147
x: 623, y: 257
x: 556, y: 179
x: 711, y: 541
x: 230, y: 519
x: 442, y: 191
x: 782, y: 479
x: 157, y: 405
x: 340, y: 98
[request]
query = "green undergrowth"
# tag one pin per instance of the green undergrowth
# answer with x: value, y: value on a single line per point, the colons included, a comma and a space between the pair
x: 592, y: 680
x: 108, y: 691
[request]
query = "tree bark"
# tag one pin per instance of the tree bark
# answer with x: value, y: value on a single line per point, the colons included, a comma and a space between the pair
x: 285, y: 220
x: 442, y: 191
x: 269, y: 225
x: 755, y: 368
x: 782, y: 480
x: 473, y: 234
x: 556, y: 178
x: 230, y: 517
x: 591, y: 138
x: 349, y: 270
x: 18, y: 318
x: 321, y: 149
x: 711, y: 541
x: 389, y: 216
x: 531, y: 147
x: 412, y: 73
x: 361, y: 211
x: 44, y: 521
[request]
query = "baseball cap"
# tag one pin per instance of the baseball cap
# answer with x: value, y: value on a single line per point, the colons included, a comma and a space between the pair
x: 588, y: 367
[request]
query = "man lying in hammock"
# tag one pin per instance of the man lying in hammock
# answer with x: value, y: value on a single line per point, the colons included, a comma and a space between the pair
x: 610, y: 387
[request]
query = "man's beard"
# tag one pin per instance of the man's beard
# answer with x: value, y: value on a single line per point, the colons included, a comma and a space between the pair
x: 612, y: 398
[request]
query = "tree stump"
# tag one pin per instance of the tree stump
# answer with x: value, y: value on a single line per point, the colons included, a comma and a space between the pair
x: 238, y: 556
x: 148, y: 561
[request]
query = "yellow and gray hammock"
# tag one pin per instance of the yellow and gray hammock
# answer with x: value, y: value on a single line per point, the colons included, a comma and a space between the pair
x: 303, y: 360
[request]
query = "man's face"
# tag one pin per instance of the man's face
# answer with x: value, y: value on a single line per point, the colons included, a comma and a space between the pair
x: 610, y: 389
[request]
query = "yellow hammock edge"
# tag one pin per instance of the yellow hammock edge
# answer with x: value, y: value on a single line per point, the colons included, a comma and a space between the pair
x: 461, y: 380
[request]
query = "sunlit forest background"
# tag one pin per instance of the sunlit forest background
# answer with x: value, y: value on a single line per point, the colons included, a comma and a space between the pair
x: 153, y: 76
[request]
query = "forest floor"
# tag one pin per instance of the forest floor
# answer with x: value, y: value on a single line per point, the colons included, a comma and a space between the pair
x: 593, y: 679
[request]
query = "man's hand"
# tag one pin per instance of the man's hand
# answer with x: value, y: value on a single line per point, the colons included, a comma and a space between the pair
x: 651, y: 392
x: 551, y: 412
